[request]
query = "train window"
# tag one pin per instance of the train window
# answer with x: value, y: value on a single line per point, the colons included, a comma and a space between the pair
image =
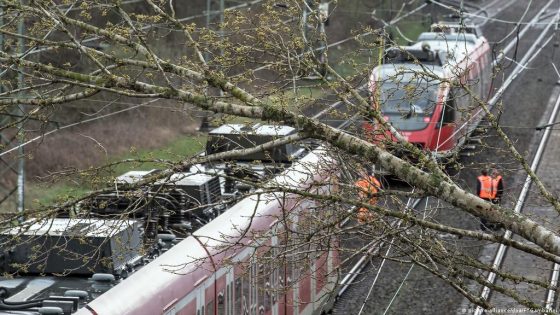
x: 242, y: 294
x: 210, y: 308
x: 221, y: 310
x: 238, y: 294
x: 223, y: 301
x: 449, y: 111
x: 407, y: 101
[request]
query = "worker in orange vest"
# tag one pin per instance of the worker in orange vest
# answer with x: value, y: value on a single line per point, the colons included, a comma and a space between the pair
x: 484, y: 186
x: 368, y: 187
x: 484, y: 191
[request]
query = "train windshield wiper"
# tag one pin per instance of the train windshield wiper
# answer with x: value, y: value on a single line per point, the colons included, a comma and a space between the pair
x: 414, y: 110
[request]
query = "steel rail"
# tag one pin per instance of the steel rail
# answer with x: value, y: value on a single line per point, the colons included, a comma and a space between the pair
x: 551, y: 294
x: 416, y: 202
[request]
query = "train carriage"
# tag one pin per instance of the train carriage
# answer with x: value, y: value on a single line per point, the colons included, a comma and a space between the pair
x: 429, y: 91
x: 232, y: 265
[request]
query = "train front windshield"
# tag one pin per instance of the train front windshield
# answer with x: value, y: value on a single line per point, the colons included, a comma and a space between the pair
x: 409, y: 105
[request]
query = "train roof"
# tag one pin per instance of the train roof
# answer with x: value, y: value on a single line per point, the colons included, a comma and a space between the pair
x: 180, y: 179
x: 450, y: 27
x: 407, y: 72
x: 269, y: 130
x: 117, y: 242
x: 132, y: 177
x: 449, y: 51
x: 70, y: 227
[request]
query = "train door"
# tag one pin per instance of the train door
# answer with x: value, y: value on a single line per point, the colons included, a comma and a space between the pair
x: 229, y: 294
x: 200, y: 299
x: 242, y: 283
x: 220, y: 293
x: 476, y: 87
x: 463, y: 110
x: 487, y: 74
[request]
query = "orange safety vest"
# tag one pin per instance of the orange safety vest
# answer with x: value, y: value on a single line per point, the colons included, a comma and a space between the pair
x: 495, y: 182
x: 486, y: 191
x: 368, y: 187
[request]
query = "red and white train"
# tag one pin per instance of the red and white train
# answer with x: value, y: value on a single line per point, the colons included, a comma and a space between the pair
x: 240, y: 263
x: 428, y: 91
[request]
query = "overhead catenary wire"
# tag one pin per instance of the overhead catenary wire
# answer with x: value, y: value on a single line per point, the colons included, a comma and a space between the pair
x: 488, y: 19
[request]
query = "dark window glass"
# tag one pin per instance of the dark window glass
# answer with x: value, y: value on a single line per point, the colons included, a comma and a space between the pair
x: 221, y: 303
x: 449, y: 110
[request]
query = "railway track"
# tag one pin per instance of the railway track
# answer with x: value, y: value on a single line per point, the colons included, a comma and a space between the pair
x: 519, y: 259
x: 356, y: 274
x: 531, y: 267
x: 514, y: 261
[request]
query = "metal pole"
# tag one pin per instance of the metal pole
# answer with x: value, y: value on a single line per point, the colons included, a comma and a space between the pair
x: 221, y: 26
x: 1, y: 36
x: 20, y: 129
x: 208, y: 21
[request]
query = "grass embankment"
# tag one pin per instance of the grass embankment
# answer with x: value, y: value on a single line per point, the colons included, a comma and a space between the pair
x: 38, y: 194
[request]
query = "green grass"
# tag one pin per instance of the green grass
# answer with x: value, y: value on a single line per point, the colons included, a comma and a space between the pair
x: 38, y: 194
x: 41, y: 194
x: 174, y: 151
x: 410, y: 29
